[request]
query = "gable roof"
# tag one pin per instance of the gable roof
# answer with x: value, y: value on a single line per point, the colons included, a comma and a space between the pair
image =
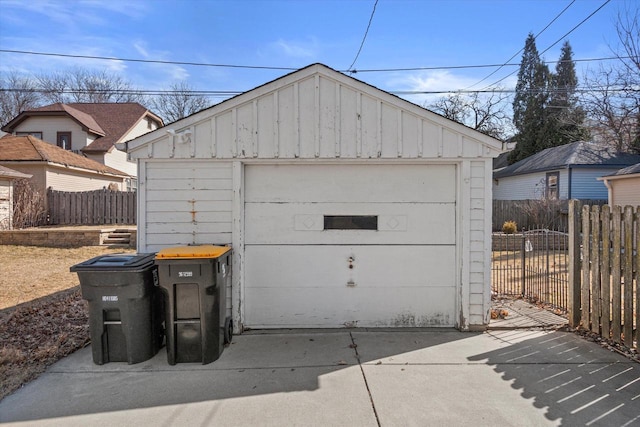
x: 579, y: 154
x: 328, y: 114
x: 110, y: 121
x: 31, y: 149
x: 11, y: 174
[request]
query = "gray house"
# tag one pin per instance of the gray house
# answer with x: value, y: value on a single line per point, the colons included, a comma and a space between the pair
x: 569, y: 171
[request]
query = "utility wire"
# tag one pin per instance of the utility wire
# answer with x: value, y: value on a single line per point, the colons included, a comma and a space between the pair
x: 518, y: 52
x: 350, y: 70
x: 259, y: 67
x: 557, y: 41
x: 223, y: 94
x: 148, y: 61
x: 457, y: 67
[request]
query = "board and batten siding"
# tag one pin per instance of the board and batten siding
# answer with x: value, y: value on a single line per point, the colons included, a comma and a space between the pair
x: 316, y: 118
x: 185, y: 203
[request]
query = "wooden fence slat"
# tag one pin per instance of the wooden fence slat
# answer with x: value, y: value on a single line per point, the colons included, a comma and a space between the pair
x: 97, y: 207
x: 605, y: 284
x: 575, y: 208
x: 586, y: 279
x: 616, y: 298
x: 628, y: 276
x: 637, y: 270
x: 596, y: 311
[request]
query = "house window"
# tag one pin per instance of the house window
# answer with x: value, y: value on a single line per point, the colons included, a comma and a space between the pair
x: 34, y: 134
x: 350, y: 222
x: 64, y: 140
x: 131, y: 184
x: 553, y: 183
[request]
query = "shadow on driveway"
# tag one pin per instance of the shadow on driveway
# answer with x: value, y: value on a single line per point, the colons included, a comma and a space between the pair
x: 576, y: 381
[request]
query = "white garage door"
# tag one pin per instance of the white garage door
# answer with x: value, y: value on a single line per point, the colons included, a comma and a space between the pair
x: 349, y: 245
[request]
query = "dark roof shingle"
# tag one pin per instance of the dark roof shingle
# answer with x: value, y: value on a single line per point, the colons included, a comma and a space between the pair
x: 576, y: 154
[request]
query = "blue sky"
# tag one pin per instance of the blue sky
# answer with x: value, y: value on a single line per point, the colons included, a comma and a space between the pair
x: 296, y: 33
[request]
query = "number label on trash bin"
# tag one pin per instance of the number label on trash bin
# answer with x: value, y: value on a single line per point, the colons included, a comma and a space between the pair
x: 185, y: 274
x: 110, y: 298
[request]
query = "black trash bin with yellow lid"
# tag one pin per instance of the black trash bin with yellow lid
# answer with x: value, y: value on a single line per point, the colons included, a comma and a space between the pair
x: 193, y: 280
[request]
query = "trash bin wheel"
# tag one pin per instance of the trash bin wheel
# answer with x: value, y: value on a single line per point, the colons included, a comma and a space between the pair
x: 228, y: 330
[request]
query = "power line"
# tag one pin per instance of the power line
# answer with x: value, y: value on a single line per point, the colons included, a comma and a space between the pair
x: 535, y: 37
x: 457, y: 67
x: 259, y: 67
x: 221, y: 93
x: 560, y: 39
x: 148, y: 61
x: 365, y: 36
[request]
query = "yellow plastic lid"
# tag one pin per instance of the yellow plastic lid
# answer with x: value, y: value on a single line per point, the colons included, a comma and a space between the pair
x: 201, y: 251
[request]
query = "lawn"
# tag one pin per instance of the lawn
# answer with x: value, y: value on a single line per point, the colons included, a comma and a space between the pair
x: 42, y: 314
x: 30, y: 272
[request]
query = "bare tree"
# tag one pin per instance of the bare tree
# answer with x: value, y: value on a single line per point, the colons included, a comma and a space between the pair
x: 28, y: 205
x: 613, y: 106
x: 178, y: 102
x: 613, y: 115
x: 82, y: 85
x: 17, y: 93
x: 484, y: 113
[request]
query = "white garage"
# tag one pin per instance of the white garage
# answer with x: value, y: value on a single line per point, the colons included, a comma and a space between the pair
x: 345, y: 206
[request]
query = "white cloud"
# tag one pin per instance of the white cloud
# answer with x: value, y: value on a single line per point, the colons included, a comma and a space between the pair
x: 439, y: 81
x: 165, y: 72
x: 427, y: 81
x: 296, y: 49
x: 141, y: 48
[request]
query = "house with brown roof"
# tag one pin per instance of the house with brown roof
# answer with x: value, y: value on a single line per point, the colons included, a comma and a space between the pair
x: 89, y: 129
x: 57, y: 168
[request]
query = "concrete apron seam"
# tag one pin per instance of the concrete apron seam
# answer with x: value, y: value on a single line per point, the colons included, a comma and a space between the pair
x: 354, y: 346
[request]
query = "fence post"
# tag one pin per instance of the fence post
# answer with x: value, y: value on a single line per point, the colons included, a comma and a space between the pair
x: 575, y: 208
x: 628, y: 276
x: 522, y: 260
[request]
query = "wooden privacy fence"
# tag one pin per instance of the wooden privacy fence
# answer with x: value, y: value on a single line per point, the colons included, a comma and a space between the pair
x: 97, y: 207
x: 604, y: 294
x: 532, y: 214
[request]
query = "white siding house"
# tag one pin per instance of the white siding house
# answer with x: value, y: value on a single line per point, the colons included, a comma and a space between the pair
x: 346, y: 206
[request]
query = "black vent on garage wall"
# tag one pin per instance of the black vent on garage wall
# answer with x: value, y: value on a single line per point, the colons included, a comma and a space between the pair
x: 351, y: 222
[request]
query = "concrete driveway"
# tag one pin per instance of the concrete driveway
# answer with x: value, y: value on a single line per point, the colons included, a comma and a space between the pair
x: 348, y: 378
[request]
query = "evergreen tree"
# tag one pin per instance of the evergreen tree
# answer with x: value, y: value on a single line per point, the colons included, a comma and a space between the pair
x: 564, y: 117
x: 529, y: 103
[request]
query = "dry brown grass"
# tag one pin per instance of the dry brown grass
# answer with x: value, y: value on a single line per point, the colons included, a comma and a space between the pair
x: 30, y: 272
x: 51, y: 320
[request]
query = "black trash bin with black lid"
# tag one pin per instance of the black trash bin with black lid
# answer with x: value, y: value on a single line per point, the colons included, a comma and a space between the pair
x: 193, y: 280
x: 125, y: 306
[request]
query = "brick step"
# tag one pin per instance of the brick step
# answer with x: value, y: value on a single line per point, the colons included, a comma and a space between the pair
x: 118, y: 236
x: 116, y: 240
